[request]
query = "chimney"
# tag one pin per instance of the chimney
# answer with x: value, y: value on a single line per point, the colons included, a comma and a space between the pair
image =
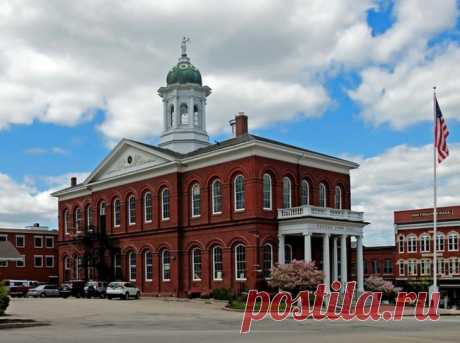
x: 240, y: 125
x: 36, y: 225
x: 73, y: 181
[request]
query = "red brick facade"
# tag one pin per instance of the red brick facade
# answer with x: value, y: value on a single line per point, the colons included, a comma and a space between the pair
x: 378, y: 260
x: 26, y: 241
x: 252, y: 227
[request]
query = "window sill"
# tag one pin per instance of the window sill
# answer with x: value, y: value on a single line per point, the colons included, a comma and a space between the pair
x: 217, y: 280
x: 239, y: 210
x: 241, y: 280
x: 196, y: 280
x: 268, y: 209
x: 168, y: 280
x: 216, y: 213
x: 196, y: 217
x: 148, y: 222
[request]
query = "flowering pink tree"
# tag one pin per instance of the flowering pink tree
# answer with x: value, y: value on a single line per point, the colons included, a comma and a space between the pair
x: 376, y: 283
x: 296, y: 276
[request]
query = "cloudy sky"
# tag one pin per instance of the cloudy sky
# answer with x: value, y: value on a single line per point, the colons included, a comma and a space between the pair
x: 350, y: 78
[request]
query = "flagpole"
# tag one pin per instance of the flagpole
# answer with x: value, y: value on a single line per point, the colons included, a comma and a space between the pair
x: 435, y: 212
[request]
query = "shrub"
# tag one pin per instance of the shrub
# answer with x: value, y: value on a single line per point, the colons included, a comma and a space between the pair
x: 222, y: 294
x: 296, y: 276
x: 4, y: 298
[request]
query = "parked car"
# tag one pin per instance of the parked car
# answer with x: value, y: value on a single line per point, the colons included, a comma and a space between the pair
x: 16, y: 288
x: 72, y: 288
x: 95, y: 289
x: 44, y: 291
x: 122, y: 290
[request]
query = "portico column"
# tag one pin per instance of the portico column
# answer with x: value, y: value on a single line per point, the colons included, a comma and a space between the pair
x: 281, y: 243
x: 335, y: 260
x: 326, y: 262
x: 307, y: 246
x: 359, y: 263
x: 343, y: 260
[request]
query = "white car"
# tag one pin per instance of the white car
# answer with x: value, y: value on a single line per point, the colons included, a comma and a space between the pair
x: 123, y: 290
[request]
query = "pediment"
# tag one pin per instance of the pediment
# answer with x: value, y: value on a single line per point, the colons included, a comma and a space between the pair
x: 127, y: 157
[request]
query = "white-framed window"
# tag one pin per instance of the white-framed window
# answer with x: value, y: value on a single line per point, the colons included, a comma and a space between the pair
x: 165, y: 204
x: 412, y: 267
x: 66, y: 222
x: 240, y: 262
x: 49, y: 261
x: 238, y: 192
x: 216, y: 197
x: 38, y: 261
x: 196, y: 264
x: 287, y: 192
x: 401, y: 244
x: 338, y: 197
x: 402, y: 269
x: 77, y: 264
x: 148, y: 266
x: 267, y: 260
x: 117, y: 266
x: 66, y: 263
x: 304, y: 192
x: 89, y: 216
x: 165, y: 266
x: 196, y: 200
x: 132, y: 210
x: 217, y: 263
x: 49, y: 242
x: 78, y: 219
x: 287, y: 253
x: 38, y: 241
x: 453, y: 266
x: 132, y: 266
x: 20, y: 241
x: 375, y: 267
x: 452, y: 241
x: 387, y: 266
x: 148, y: 209
x: 425, y: 243
x: 116, y: 212
x: 22, y: 263
x: 3, y: 264
x: 425, y: 267
x: 440, y: 241
x: 322, y: 195
x: 441, y: 265
x: 102, y: 209
x: 412, y: 243
x: 267, y: 191
x: 3, y: 238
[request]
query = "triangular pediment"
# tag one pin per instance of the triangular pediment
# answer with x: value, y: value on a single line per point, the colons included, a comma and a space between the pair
x: 128, y: 157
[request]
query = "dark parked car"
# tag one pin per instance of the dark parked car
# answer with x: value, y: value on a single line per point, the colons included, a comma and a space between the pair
x: 72, y: 289
x: 95, y: 289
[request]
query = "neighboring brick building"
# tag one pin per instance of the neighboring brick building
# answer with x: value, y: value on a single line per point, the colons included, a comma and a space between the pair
x: 186, y: 217
x: 38, y: 247
x: 378, y: 260
x: 414, y: 244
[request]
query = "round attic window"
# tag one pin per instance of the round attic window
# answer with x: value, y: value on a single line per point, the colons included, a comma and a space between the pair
x: 130, y: 159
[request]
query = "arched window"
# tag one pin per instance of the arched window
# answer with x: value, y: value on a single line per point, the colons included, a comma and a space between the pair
x: 184, y: 114
x: 148, y: 266
x: 238, y: 190
x: 78, y: 219
x: 171, y: 116
x: 424, y: 243
x: 412, y: 243
x: 196, y: 200
x: 77, y: 264
x: 196, y: 116
x: 440, y: 241
x: 240, y: 262
x: 148, y: 207
x: 66, y: 221
x: 322, y: 195
x: 165, y: 266
x: 102, y: 209
x: 304, y: 193
x: 132, y: 266
x: 267, y: 190
x: 216, y: 197
x: 132, y: 210
x: 117, y: 267
x: 338, y: 197
x: 287, y: 192
x: 116, y: 212
x: 89, y: 216
x: 196, y: 264
x: 287, y: 253
x: 401, y: 244
x: 217, y: 263
x: 452, y: 239
x: 165, y: 204
x: 268, y: 260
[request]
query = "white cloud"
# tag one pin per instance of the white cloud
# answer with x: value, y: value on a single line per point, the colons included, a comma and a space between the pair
x: 403, y: 96
x: 35, y: 151
x: 401, y: 178
x: 60, y: 61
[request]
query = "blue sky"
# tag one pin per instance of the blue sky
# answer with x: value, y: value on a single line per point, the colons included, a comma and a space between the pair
x: 362, y: 95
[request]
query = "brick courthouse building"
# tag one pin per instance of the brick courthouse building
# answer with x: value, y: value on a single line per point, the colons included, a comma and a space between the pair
x: 187, y: 216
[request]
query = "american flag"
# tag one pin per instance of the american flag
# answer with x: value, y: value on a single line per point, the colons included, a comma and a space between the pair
x: 440, y: 134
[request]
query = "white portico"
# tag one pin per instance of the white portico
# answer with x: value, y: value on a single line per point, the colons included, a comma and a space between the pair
x: 331, y: 228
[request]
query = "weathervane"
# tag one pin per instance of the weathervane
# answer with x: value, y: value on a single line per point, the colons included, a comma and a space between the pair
x: 183, y: 45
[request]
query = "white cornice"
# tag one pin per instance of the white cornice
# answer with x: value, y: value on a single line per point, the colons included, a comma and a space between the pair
x: 426, y: 225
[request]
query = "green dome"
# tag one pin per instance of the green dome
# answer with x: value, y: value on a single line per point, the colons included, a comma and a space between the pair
x: 184, y: 72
